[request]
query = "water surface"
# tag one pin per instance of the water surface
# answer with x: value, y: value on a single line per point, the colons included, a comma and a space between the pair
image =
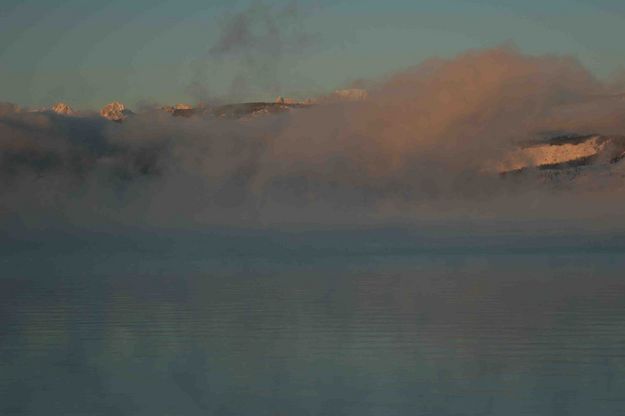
x: 164, y: 333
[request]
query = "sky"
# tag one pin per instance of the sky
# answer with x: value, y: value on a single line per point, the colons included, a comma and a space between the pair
x: 89, y: 53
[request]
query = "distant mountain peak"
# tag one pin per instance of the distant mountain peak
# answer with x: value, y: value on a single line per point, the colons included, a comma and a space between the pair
x: 182, y: 110
x: 351, y: 94
x: 115, y: 111
x: 179, y: 106
x: 564, y: 152
x: 62, y: 108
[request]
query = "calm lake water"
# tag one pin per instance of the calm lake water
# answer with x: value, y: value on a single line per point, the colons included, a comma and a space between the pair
x: 155, y: 333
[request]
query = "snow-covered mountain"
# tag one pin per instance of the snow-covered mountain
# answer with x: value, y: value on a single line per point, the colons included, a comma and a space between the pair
x: 115, y: 111
x: 564, y: 152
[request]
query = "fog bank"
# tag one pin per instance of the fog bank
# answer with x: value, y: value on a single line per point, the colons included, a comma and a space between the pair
x: 417, y: 150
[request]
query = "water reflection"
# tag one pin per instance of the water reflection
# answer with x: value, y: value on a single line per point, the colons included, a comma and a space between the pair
x: 432, y: 335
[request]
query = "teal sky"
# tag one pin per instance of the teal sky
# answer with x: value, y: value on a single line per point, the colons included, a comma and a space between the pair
x: 89, y: 53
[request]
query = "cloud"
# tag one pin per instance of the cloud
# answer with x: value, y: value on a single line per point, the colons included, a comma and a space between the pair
x: 253, y: 43
x: 263, y: 30
x: 414, y: 151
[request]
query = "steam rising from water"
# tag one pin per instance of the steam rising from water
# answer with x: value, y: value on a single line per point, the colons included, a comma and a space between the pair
x: 419, y: 149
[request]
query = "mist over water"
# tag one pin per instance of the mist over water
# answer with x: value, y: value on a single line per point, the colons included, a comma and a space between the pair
x: 421, y: 148
x: 347, y: 258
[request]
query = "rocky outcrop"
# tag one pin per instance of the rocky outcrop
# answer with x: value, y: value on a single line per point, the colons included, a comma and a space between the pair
x: 180, y: 110
x: 252, y: 110
x: 286, y: 100
x: 62, y: 108
x: 115, y: 111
